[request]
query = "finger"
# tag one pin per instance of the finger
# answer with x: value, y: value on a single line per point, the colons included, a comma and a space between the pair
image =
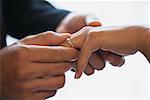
x: 83, y: 59
x: 97, y: 61
x: 45, y: 83
x: 42, y: 95
x: 78, y: 38
x: 113, y: 59
x: 48, y: 69
x: 52, y: 53
x: 89, y: 70
x: 46, y: 38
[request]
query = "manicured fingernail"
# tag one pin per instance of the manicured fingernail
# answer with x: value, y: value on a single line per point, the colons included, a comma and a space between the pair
x: 77, y: 75
x: 95, y: 24
x: 123, y: 61
x: 92, y: 20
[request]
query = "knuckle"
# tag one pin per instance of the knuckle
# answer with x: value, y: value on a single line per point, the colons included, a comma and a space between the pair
x: 21, y: 87
x: 20, y: 55
x: 29, y: 37
x: 19, y: 74
x: 67, y: 66
x: 25, y: 87
x: 86, y: 28
x: 53, y: 93
x: 47, y: 35
x: 23, y: 96
x: 62, y: 81
x: 16, y: 72
x: 63, y: 68
x: 17, y: 86
x: 91, y: 34
x: 26, y: 39
x: 21, y: 52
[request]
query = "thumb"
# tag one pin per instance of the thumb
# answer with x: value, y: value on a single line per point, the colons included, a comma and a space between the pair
x: 92, y: 20
x: 46, y: 38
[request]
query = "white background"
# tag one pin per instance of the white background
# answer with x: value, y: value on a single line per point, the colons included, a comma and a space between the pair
x: 130, y: 82
x: 127, y: 83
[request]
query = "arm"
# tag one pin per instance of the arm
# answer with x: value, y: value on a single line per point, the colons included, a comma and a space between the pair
x: 145, y: 46
x: 25, y: 17
x: 2, y: 34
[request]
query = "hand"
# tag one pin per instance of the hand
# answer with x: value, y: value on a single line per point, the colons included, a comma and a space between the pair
x: 98, y: 58
x: 33, y: 70
x: 73, y: 22
x: 119, y: 41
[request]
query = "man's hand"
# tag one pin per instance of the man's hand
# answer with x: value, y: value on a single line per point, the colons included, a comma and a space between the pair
x: 33, y: 70
x: 73, y: 22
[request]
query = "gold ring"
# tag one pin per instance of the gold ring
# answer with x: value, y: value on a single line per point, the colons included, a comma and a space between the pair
x: 68, y: 40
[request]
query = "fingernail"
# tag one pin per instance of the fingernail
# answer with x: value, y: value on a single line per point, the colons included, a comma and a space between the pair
x: 92, y: 20
x: 123, y: 61
x: 77, y: 75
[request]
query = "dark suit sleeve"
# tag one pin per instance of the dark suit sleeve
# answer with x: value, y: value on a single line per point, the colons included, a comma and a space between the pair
x: 2, y: 32
x: 26, y: 17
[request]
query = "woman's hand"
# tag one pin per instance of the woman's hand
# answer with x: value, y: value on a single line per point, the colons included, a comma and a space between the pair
x: 74, y: 22
x: 98, y: 59
x: 118, y: 41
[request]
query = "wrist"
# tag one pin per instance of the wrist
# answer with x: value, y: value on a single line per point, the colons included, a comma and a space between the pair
x: 62, y: 25
x: 144, y: 45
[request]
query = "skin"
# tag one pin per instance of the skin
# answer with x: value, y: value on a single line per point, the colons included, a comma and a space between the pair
x: 34, y: 72
x: 112, y: 42
x: 15, y: 77
x: 20, y: 73
x: 72, y: 24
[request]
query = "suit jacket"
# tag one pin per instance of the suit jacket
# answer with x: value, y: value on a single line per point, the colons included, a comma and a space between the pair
x: 2, y: 35
x: 28, y: 17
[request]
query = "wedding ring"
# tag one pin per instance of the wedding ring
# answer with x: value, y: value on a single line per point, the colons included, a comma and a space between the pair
x: 68, y: 40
